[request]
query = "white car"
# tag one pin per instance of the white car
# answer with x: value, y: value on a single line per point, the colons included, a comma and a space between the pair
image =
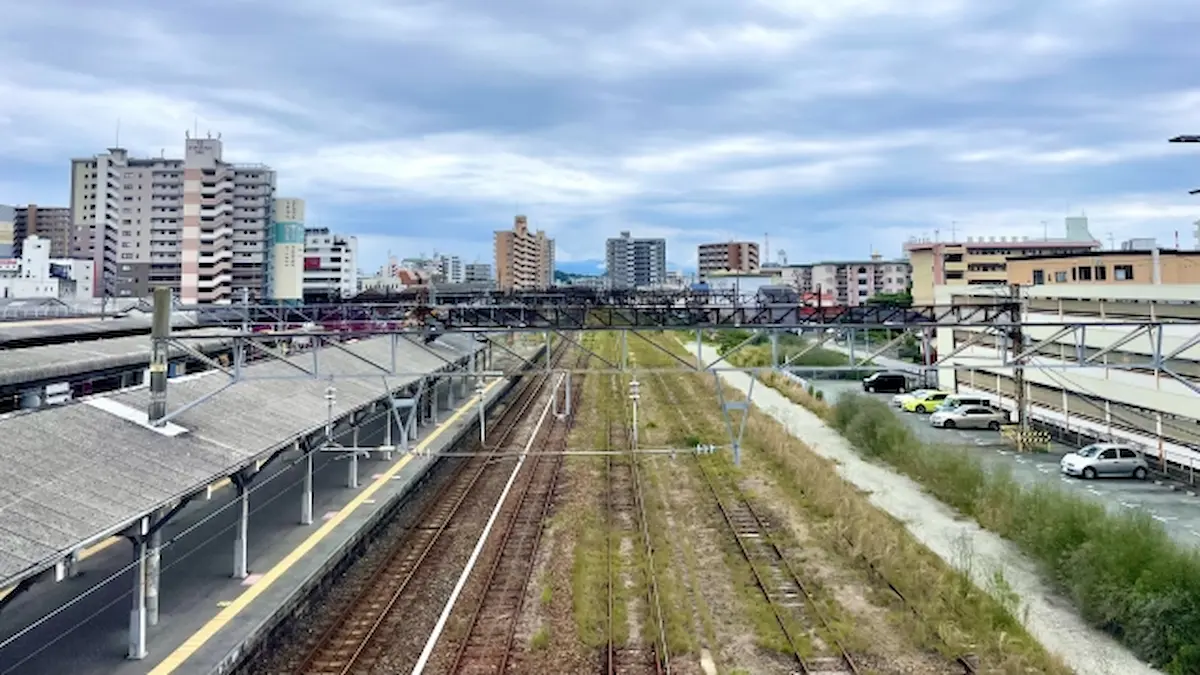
x: 1105, y: 459
x: 899, y: 399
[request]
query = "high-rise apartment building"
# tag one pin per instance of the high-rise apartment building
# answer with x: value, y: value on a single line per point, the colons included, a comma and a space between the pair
x: 285, y: 265
x: 635, y: 263
x: 477, y: 273
x: 330, y: 265
x: 980, y: 261
x: 53, y: 224
x: 524, y: 259
x: 734, y: 256
x: 848, y: 283
x: 199, y: 225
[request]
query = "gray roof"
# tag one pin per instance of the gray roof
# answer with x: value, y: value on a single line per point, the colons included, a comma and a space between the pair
x: 38, y: 328
x: 78, y: 473
x: 63, y: 361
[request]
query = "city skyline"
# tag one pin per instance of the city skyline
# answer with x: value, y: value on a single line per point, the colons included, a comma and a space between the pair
x: 698, y: 139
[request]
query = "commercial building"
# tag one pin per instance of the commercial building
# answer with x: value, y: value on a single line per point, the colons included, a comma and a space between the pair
x: 477, y: 273
x: 285, y: 265
x: 734, y: 256
x: 1117, y: 393
x: 52, y: 224
x: 330, y: 265
x: 1126, y: 267
x: 848, y: 283
x: 37, y: 275
x: 977, y: 261
x: 198, y: 225
x: 741, y: 285
x: 524, y: 259
x: 8, y: 217
x: 635, y: 263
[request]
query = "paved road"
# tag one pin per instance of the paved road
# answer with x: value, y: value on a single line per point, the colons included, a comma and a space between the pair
x: 1178, y: 511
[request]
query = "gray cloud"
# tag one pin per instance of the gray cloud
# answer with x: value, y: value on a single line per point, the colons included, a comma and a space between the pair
x: 839, y: 127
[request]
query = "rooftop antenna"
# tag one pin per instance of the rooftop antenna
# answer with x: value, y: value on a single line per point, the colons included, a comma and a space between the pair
x: 954, y: 230
x: 1111, y: 245
x: 1045, y: 231
x: 117, y: 140
x: 196, y: 126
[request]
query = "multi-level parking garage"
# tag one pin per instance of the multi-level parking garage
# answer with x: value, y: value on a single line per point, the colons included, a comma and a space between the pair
x: 1110, y: 361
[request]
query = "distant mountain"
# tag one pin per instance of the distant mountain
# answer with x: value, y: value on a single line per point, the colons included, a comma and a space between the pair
x: 584, y: 267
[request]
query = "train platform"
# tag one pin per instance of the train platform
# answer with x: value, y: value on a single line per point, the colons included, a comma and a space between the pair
x: 207, y: 620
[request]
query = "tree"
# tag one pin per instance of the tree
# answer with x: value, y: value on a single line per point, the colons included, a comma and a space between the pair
x: 891, y: 299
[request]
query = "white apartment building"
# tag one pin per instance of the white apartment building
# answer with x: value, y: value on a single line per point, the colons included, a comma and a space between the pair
x: 36, y: 275
x: 450, y: 268
x: 1108, y: 398
x: 330, y: 265
x: 847, y: 283
x: 198, y: 225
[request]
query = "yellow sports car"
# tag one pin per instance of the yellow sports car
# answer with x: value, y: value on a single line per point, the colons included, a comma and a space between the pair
x: 927, y: 402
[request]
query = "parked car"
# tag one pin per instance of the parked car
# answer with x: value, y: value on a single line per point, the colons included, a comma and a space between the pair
x: 1105, y: 459
x: 886, y: 383
x: 959, y: 400
x: 926, y: 402
x: 899, y: 399
x: 969, y: 417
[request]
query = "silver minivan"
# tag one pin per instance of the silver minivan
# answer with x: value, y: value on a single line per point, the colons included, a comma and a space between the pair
x: 1105, y: 459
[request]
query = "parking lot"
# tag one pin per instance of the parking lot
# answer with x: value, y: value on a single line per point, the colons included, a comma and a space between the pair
x: 1177, y: 510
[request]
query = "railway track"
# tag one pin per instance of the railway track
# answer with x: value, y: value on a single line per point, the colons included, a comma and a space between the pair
x: 963, y: 660
x: 356, y: 641
x: 795, y: 610
x: 488, y: 645
x: 625, y: 515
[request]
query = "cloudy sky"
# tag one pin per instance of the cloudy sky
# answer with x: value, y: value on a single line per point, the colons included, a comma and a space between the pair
x: 838, y: 127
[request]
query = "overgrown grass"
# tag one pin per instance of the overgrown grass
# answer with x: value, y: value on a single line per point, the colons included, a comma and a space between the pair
x: 953, y: 615
x: 1123, y: 571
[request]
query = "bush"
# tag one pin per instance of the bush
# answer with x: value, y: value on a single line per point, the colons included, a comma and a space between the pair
x: 1123, y: 571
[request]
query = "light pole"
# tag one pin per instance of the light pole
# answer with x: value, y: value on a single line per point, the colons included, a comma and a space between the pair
x: 1187, y: 139
x: 634, y: 396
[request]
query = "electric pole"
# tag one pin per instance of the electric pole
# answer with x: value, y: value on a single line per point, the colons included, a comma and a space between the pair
x: 1016, y: 338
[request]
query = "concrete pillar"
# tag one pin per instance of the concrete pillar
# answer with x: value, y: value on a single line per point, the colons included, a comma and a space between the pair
x: 306, y: 496
x: 240, y: 570
x: 153, y: 573
x: 389, y: 421
x: 352, y: 465
x: 137, y: 614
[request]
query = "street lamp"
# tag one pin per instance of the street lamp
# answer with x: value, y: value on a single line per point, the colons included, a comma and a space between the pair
x: 1187, y: 139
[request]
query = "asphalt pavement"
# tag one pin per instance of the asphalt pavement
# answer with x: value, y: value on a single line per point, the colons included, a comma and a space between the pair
x: 1178, y: 509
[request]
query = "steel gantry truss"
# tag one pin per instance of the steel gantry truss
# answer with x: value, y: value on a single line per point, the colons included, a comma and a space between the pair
x: 298, y: 336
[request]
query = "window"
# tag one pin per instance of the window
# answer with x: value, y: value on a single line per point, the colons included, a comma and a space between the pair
x: 957, y: 274
x: 1083, y: 273
x: 1101, y: 272
x: 1111, y: 453
x: 1123, y: 272
x: 952, y: 257
x: 1126, y: 453
x: 1060, y: 277
x: 1039, y: 277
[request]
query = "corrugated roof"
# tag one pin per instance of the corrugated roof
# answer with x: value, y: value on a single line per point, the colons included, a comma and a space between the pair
x: 76, y: 473
x: 62, y: 361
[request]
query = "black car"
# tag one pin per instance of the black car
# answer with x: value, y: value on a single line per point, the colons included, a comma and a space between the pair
x: 890, y: 383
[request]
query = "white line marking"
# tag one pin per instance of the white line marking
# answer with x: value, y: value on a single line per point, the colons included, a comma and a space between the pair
x: 487, y: 529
